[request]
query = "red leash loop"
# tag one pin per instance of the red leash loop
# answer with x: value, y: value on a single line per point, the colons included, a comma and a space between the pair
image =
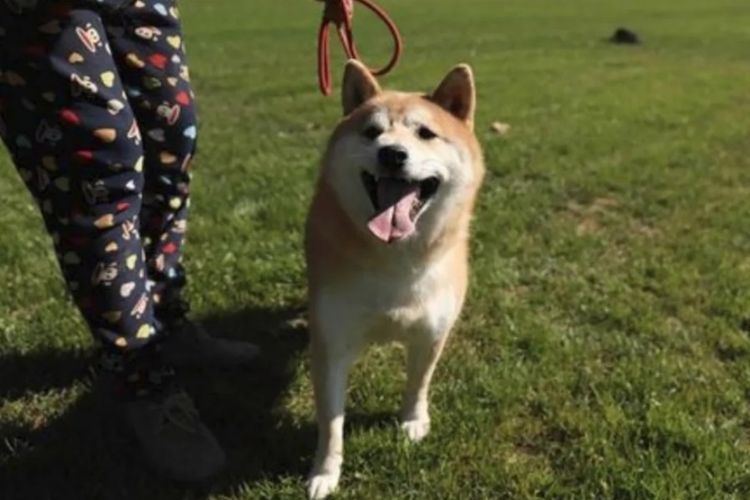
x: 341, y: 13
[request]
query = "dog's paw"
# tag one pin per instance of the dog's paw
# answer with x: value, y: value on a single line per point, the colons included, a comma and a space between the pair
x: 321, y: 485
x: 416, y: 430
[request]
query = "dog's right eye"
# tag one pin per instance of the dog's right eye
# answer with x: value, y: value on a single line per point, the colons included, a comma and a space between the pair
x: 372, y: 132
x: 426, y: 133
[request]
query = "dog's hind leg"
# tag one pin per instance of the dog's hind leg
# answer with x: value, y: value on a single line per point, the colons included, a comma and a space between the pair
x: 422, y: 356
x: 330, y: 369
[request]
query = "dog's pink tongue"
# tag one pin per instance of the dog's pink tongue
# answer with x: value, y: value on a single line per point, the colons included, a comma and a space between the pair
x: 396, y: 198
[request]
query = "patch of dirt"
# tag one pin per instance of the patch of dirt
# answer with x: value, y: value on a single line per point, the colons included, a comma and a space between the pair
x: 588, y: 216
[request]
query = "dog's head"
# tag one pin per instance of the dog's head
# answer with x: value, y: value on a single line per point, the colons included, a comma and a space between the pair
x: 405, y: 167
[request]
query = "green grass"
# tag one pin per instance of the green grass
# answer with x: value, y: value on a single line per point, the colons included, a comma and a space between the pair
x: 603, y: 351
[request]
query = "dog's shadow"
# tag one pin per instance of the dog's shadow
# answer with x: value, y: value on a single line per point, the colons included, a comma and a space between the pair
x: 83, y: 453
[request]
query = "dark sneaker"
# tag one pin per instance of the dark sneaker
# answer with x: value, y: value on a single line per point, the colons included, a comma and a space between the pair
x: 173, y: 437
x: 188, y: 344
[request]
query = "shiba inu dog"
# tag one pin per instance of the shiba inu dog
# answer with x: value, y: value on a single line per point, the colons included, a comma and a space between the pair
x: 387, y: 243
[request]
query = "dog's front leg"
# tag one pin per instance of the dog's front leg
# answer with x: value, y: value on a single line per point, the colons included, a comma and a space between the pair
x: 330, y: 365
x: 423, y: 353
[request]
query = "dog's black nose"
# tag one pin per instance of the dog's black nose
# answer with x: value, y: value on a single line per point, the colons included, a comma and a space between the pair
x: 393, y: 157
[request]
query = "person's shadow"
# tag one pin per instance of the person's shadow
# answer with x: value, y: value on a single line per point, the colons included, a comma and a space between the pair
x: 85, y: 453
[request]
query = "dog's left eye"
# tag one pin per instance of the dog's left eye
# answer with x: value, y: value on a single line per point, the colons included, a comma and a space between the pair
x: 372, y: 132
x: 426, y: 133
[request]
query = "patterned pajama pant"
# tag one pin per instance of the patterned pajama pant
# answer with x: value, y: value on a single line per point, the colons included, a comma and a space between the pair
x: 97, y: 112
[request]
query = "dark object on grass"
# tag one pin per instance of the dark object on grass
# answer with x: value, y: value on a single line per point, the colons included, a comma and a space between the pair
x: 625, y: 36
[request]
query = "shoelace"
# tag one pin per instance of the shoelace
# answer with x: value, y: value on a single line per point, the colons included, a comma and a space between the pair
x: 179, y: 410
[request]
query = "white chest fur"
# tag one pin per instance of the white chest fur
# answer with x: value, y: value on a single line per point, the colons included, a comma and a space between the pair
x: 393, y: 303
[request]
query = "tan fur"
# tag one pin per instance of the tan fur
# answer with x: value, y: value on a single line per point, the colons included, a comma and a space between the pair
x: 362, y: 289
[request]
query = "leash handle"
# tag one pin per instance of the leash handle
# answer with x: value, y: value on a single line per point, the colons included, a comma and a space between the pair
x: 340, y: 13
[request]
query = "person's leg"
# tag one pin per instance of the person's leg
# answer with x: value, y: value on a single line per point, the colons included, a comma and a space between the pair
x: 73, y: 137
x: 147, y: 44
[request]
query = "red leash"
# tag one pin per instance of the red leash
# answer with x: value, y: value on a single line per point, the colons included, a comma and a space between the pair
x: 341, y: 13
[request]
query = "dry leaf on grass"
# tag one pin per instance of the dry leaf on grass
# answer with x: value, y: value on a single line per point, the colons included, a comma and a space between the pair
x: 500, y: 128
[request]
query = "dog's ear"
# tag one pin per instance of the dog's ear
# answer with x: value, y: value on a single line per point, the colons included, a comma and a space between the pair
x: 457, y: 94
x: 359, y: 86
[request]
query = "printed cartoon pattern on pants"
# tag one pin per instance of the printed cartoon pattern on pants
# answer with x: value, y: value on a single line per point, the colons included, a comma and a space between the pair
x: 97, y: 112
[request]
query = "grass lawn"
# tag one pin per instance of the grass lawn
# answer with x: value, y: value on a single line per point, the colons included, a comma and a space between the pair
x: 604, y: 351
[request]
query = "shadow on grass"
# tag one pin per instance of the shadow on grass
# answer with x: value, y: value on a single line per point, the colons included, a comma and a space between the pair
x: 85, y: 454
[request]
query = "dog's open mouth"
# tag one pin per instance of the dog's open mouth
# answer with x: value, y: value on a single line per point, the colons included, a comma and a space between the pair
x: 397, y: 203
